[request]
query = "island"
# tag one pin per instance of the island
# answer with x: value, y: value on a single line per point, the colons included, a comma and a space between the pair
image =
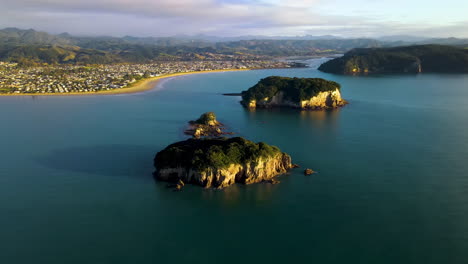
x: 220, y: 162
x: 206, y: 126
x: 302, y: 93
x: 409, y: 59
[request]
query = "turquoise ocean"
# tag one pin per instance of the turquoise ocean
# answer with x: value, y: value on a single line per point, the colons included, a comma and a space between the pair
x: 391, y: 187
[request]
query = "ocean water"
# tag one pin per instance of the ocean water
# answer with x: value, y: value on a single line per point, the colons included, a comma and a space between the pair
x: 391, y: 187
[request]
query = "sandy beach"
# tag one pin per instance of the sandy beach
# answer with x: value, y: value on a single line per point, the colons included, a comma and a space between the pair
x: 139, y: 86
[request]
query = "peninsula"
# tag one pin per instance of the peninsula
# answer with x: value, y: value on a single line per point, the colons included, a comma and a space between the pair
x: 302, y: 93
x: 409, y: 59
x: 220, y: 162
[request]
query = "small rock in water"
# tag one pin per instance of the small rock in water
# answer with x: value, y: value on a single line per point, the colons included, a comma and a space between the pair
x: 308, y: 171
x: 273, y: 181
x: 181, y: 182
x: 178, y: 188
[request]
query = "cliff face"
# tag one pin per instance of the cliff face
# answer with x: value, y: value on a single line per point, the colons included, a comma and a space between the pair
x: 302, y: 93
x: 262, y: 169
x: 323, y: 100
x: 220, y: 162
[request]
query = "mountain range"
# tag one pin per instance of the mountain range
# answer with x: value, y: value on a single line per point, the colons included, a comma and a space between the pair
x: 31, y: 46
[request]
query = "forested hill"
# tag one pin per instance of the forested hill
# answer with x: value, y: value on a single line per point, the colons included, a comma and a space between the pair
x: 32, y: 47
x: 409, y: 59
x: 39, y: 47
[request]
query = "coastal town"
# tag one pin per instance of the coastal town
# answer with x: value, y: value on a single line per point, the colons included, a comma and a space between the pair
x: 58, y: 79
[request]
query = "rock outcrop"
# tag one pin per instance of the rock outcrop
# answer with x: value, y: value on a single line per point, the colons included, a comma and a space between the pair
x: 206, y: 126
x: 302, y: 93
x: 220, y: 162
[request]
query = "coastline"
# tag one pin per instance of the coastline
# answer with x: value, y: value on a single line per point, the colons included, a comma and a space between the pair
x: 139, y: 86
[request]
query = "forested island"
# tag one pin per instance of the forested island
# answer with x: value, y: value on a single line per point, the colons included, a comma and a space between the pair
x: 303, y: 93
x: 220, y: 162
x: 410, y: 59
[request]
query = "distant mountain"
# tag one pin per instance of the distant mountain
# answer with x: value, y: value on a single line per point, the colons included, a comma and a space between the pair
x: 33, y: 46
x: 19, y: 36
x: 296, y: 47
x: 402, y: 38
x: 445, y: 41
x: 206, y: 38
x: 53, y: 54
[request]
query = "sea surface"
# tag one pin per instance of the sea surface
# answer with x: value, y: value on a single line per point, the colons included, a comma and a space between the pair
x: 391, y: 187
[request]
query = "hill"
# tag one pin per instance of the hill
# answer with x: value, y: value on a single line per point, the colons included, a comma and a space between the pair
x: 28, y: 55
x: 409, y: 59
x: 48, y: 48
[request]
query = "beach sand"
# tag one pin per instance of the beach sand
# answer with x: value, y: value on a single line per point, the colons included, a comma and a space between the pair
x: 139, y: 86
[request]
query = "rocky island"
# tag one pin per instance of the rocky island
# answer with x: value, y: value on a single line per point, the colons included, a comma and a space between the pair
x: 302, y: 93
x: 410, y: 59
x: 220, y: 162
x: 206, y: 126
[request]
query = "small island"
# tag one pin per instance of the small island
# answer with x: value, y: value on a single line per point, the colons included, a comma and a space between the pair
x: 302, y: 93
x: 220, y: 162
x: 410, y: 59
x: 205, y: 126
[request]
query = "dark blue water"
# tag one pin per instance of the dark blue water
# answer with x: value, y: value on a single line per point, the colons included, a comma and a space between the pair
x: 392, y: 187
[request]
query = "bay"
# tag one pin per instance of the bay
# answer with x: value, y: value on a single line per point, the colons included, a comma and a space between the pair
x: 392, y: 182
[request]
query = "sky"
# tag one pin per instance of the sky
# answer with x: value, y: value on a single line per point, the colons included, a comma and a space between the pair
x: 345, y: 18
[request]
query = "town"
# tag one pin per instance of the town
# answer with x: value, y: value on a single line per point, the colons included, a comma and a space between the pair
x: 15, y: 79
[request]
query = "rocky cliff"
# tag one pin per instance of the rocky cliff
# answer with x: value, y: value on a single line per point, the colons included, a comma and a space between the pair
x: 303, y: 93
x: 220, y: 162
x: 323, y: 100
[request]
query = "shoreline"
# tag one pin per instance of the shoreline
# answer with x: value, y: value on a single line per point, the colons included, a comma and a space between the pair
x: 137, y: 87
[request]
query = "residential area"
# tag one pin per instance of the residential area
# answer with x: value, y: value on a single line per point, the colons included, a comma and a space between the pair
x: 71, y: 78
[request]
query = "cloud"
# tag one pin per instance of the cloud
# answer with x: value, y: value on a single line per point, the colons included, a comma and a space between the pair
x: 169, y: 17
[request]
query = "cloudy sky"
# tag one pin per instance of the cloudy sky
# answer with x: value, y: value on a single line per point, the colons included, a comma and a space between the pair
x: 347, y: 18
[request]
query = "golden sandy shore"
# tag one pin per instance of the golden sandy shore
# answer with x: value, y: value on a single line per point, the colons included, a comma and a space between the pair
x: 139, y: 86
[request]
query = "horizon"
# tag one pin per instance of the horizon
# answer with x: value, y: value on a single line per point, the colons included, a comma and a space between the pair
x: 230, y: 18
x: 267, y: 37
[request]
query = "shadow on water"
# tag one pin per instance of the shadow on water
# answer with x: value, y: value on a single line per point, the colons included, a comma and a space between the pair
x: 318, y: 119
x: 330, y: 115
x: 105, y: 160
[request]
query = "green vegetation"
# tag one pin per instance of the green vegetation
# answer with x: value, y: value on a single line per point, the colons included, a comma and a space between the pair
x: 410, y: 59
x: 294, y: 89
x: 33, y: 55
x: 201, y: 154
x: 32, y: 47
x: 282, y: 48
x: 206, y: 119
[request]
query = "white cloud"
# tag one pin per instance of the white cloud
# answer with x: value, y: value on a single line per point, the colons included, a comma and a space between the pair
x: 168, y: 17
